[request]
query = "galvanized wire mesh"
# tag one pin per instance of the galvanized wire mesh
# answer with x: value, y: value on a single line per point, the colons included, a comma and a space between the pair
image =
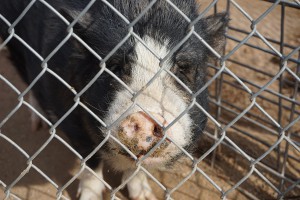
x: 268, y: 116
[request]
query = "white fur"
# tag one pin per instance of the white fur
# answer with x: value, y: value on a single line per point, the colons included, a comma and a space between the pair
x: 90, y: 187
x: 138, y: 186
x: 36, y: 121
x: 161, y: 97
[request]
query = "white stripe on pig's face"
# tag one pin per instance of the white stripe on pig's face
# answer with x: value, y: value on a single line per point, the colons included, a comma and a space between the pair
x: 161, y: 97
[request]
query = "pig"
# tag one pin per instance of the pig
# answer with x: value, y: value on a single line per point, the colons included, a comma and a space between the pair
x: 136, y: 98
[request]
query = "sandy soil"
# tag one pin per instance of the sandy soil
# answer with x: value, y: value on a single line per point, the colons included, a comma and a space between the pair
x: 60, y: 164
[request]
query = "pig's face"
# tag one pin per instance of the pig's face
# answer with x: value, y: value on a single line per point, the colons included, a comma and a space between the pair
x: 162, y: 99
x: 153, y: 107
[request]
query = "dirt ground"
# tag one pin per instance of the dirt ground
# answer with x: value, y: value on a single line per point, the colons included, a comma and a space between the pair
x: 60, y: 164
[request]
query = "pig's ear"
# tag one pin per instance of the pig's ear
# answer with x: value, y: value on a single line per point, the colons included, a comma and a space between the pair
x: 83, y: 22
x: 212, y: 30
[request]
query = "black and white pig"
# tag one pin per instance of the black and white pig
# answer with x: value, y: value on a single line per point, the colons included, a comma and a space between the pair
x: 148, y: 114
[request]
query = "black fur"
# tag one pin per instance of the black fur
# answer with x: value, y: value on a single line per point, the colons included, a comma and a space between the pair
x: 102, y: 30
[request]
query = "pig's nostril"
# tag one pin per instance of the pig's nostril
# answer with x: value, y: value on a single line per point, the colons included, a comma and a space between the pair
x: 148, y: 139
x: 136, y: 127
x: 157, y: 131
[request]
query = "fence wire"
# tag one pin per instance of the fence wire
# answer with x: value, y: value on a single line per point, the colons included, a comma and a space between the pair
x: 251, y: 121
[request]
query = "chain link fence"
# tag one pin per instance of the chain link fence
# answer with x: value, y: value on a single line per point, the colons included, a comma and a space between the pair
x: 251, y: 146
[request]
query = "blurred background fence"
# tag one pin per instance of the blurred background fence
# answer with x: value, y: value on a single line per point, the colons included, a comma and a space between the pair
x: 266, y: 55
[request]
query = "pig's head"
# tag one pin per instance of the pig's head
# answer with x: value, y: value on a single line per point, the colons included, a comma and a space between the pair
x: 154, y: 106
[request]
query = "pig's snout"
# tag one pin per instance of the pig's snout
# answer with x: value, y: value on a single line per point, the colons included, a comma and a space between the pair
x: 139, y: 132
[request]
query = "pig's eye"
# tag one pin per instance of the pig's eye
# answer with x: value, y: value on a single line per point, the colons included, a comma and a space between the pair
x: 116, y: 69
x: 182, y: 65
x: 183, y: 69
x: 186, y: 73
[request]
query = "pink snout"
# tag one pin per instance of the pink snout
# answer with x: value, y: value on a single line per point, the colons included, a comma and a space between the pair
x: 139, y: 132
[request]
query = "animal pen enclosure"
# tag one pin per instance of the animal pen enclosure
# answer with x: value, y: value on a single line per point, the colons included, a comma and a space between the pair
x: 249, y: 150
